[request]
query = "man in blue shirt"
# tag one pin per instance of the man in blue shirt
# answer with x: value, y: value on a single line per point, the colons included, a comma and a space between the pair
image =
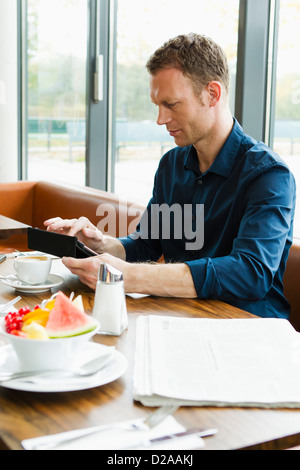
x: 222, y: 208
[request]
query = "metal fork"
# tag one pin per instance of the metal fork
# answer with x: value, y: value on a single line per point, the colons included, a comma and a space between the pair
x: 144, y: 424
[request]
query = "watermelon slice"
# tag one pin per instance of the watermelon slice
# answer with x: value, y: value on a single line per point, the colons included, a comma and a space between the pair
x: 66, y: 319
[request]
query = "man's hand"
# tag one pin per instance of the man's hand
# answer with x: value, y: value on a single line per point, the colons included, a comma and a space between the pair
x: 82, y: 228
x: 87, y: 269
x: 88, y: 234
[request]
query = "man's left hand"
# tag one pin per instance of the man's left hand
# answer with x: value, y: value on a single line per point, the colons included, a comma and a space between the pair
x: 87, y: 269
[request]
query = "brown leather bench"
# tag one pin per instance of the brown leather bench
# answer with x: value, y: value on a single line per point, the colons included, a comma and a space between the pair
x: 34, y: 202
x: 291, y: 282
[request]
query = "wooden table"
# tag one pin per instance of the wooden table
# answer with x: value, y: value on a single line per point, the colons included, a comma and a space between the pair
x: 10, y: 227
x: 25, y: 415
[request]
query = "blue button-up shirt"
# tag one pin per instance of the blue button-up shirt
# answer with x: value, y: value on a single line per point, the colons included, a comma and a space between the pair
x: 243, y: 235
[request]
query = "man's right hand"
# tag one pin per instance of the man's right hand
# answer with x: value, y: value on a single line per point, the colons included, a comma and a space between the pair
x: 81, y: 228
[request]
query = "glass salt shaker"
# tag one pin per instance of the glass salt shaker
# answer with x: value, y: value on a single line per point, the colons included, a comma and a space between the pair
x: 110, y: 303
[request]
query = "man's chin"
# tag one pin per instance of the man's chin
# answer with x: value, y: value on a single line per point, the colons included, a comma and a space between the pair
x: 180, y: 142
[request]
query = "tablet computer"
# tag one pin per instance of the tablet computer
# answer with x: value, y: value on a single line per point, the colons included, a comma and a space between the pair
x: 57, y: 244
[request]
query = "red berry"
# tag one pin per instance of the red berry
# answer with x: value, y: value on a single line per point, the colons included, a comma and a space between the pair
x: 23, y: 311
x: 14, y: 320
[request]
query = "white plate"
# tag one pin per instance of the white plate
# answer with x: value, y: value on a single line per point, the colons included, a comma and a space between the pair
x: 13, y: 281
x: 113, y: 371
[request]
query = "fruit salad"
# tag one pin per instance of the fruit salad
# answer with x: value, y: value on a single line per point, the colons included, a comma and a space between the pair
x: 58, y: 317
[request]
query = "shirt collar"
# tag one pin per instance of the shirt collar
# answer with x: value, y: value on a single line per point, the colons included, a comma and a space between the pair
x: 225, y: 159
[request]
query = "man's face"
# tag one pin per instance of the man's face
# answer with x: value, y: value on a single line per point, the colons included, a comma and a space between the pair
x: 185, y: 115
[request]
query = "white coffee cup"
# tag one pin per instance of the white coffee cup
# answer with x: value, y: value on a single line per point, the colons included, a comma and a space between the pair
x: 33, y: 270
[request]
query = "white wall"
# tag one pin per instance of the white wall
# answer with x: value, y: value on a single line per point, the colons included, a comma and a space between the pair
x: 8, y: 91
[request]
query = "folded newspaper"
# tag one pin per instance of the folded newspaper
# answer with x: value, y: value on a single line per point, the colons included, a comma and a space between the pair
x: 217, y: 362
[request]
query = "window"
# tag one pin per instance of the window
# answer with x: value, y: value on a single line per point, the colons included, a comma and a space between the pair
x: 287, y: 104
x: 141, y: 28
x: 56, y: 53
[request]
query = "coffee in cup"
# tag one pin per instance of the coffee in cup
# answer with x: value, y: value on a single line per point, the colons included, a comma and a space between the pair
x: 33, y: 270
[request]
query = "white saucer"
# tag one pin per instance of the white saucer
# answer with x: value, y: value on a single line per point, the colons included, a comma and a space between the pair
x: 114, y: 370
x: 13, y: 281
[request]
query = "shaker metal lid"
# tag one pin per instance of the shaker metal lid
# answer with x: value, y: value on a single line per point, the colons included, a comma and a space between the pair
x: 109, y: 274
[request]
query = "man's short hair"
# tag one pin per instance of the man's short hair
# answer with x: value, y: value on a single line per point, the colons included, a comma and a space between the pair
x: 196, y: 56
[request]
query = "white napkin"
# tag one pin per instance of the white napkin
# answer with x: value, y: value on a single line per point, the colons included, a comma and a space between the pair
x: 114, y: 438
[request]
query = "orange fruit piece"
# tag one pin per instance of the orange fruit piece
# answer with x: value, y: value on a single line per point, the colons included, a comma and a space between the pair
x: 38, y: 315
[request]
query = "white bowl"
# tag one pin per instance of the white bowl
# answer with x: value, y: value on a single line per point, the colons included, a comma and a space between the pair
x: 34, y: 354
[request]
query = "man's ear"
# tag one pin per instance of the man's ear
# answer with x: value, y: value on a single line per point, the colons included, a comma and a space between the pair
x: 214, y: 90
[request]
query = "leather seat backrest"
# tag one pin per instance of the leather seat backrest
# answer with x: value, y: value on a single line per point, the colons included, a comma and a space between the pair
x: 16, y: 200
x: 291, y: 282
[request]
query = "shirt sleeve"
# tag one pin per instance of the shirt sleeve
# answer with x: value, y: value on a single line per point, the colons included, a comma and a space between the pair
x: 247, y: 272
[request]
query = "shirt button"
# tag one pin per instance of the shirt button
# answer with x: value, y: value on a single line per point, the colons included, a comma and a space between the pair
x: 200, y: 181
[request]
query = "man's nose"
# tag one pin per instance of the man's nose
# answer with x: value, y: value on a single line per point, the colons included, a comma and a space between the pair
x: 163, y: 117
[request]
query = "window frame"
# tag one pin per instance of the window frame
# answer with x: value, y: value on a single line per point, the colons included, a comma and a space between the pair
x: 99, y: 137
x: 256, y: 67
